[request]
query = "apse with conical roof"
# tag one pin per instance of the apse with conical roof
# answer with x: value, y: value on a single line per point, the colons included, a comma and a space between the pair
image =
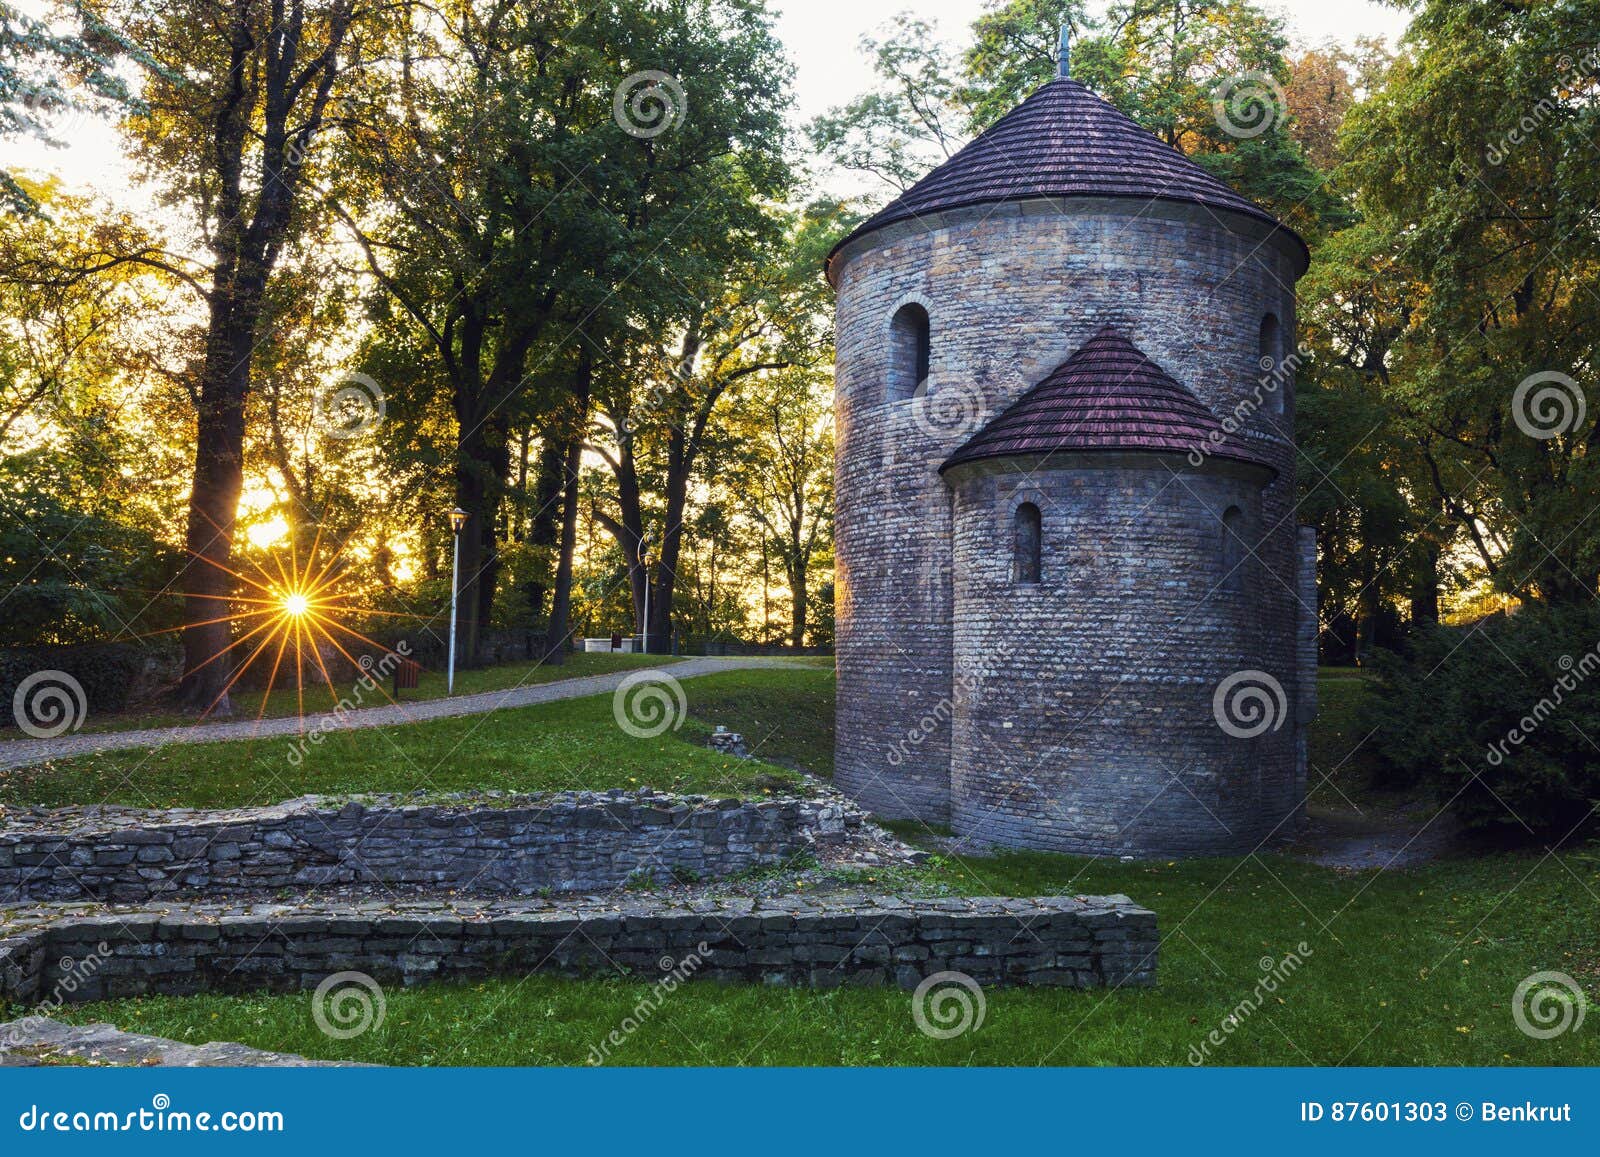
x: 1065, y: 478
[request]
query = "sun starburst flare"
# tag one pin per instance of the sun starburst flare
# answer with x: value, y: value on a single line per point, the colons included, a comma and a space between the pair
x: 290, y: 614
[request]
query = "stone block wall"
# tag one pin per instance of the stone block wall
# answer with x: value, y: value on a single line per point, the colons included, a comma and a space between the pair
x: 871, y: 940
x: 510, y: 845
x: 22, y: 967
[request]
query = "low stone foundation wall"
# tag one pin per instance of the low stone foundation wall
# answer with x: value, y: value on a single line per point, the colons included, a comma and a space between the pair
x: 489, y: 845
x: 1084, y: 941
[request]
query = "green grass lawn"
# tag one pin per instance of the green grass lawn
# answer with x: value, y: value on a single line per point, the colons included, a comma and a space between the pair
x: 287, y: 702
x: 1406, y: 968
x: 785, y: 714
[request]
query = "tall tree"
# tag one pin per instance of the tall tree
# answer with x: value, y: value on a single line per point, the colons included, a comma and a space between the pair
x: 235, y: 102
x: 1490, y: 210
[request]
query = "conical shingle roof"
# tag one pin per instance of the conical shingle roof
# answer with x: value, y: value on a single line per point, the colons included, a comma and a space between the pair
x: 1063, y: 141
x: 1108, y: 396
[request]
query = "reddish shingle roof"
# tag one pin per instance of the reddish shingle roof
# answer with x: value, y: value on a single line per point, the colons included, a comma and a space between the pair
x: 1063, y: 141
x: 1107, y: 396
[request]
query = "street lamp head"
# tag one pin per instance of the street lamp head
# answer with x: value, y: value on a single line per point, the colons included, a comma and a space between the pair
x: 458, y: 519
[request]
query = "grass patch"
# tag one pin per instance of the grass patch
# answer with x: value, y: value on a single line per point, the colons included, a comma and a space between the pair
x: 1407, y: 968
x: 572, y: 744
x: 785, y: 716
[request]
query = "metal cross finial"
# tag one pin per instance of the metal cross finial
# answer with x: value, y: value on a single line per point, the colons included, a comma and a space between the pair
x: 1064, y: 52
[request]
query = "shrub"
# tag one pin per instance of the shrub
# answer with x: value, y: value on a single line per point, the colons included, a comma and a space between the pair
x: 1502, y: 717
x: 108, y: 673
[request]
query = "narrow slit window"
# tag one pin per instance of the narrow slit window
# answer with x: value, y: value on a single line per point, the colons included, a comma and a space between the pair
x: 910, y: 349
x: 1233, y: 552
x: 1025, y: 528
x: 1271, y: 362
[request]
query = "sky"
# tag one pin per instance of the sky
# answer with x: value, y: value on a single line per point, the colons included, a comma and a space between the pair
x: 821, y: 36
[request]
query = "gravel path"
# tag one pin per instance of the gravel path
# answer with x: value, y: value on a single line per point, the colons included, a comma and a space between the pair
x: 26, y: 752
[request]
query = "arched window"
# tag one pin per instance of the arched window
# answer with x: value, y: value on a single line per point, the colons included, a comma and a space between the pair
x: 909, y: 350
x: 1233, y: 551
x: 1273, y: 378
x: 1025, y: 538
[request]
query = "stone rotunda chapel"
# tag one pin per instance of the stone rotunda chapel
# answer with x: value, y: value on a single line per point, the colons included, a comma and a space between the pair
x: 1074, y: 609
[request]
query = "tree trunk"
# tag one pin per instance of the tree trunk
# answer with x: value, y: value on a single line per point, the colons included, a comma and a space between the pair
x: 218, y: 480
x: 797, y: 586
x: 1425, y: 584
x: 556, y: 634
x: 546, y: 521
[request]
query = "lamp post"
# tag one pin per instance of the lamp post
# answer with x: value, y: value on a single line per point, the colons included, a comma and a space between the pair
x: 458, y: 519
x: 644, y: 565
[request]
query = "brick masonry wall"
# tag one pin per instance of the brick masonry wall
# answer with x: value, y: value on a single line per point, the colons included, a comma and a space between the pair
x: 1061, y: 941
x: 564, y: 842
x: 1011, y: 291
x: 1083, y: 708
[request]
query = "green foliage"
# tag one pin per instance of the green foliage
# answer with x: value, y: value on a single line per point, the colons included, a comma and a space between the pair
x: 1502, y: 717
x: 1474, y: 168
x: 70, y: 574
x: 45, y: 72
x: 107, y: 673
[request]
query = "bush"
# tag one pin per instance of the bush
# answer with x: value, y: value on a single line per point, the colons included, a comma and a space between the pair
x: 108, y: 673
x: 1502, y: 717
